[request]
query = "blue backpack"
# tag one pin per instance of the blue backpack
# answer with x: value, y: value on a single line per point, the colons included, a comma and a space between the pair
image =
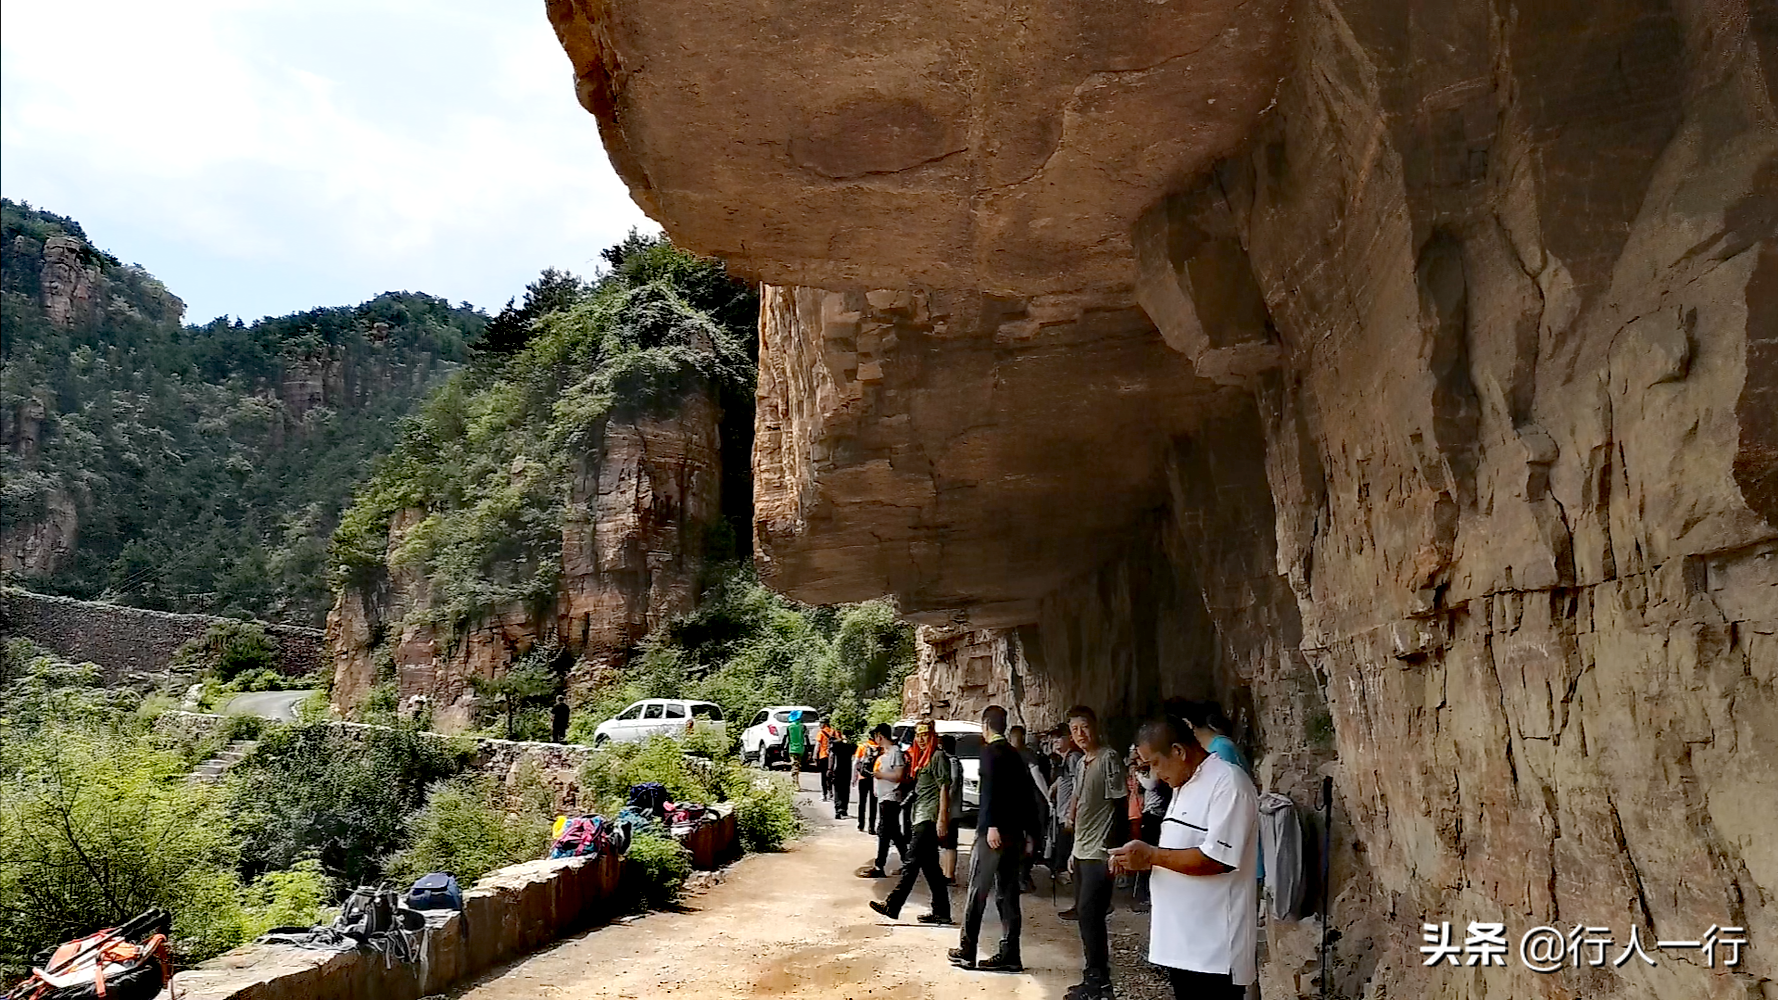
x: 435, y: 891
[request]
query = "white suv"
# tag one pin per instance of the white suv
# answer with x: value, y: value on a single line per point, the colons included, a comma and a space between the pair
x: 763, y: 740
x: 656, y: 716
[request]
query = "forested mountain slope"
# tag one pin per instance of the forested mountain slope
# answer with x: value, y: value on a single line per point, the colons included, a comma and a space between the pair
x: 190, y: 468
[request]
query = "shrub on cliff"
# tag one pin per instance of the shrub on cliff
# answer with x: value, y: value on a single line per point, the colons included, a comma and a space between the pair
x: 229, y: 649
x: 488, y: 464
x: 463, y: 829
x: 610, y: 771
x: 312, y: 791
x: 765, y: 815
x: 664, y: 865
x: 97, y: 825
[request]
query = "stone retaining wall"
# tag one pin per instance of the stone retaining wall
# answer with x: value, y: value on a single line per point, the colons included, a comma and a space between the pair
x: 558, y: 764
x: 510, y: 912
x: 124, y: 641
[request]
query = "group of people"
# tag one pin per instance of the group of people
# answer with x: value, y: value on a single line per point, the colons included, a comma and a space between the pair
x: 1178, y: 816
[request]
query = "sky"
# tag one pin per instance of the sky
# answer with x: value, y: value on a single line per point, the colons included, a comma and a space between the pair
x: 265, y: 158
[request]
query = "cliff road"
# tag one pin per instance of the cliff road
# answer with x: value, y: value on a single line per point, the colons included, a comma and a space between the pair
x: 1403, y: 374
x: 798, y: 924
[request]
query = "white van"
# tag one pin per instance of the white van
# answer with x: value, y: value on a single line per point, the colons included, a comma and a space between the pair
x: 969, y: 750
x: 656, y: 717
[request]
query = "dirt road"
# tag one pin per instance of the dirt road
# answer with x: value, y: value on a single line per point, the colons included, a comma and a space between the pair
x: 794, y: 924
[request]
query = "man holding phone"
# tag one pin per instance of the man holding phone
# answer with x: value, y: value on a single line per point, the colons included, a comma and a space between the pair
x: 1204, y: 924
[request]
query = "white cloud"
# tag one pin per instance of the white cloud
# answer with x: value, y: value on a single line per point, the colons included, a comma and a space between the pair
x: 263, y: 158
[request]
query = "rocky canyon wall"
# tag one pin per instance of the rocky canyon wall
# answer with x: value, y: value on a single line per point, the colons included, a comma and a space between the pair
x: 632, y: 554
x: 1400, y: 373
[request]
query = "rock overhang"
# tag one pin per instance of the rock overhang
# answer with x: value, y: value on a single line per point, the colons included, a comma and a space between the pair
x: 933, y: 143
x: 963, y: 402
x: 966, y: 453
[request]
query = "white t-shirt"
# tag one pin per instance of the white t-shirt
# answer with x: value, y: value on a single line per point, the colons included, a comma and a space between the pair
x: 892, y: 758
x: 1209, y: 923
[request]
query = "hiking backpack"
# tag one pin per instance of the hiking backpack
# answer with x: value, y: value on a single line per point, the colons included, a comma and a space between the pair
x: 435, y: 891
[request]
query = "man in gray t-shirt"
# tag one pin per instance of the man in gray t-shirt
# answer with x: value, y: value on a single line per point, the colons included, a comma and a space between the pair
x: 1099, y: 792
x: 891, y: 768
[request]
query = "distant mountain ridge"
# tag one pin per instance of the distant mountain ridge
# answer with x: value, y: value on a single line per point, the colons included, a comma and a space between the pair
x: 190, y: 468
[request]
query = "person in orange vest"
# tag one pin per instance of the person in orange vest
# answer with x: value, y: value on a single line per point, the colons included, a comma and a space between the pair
x: 824, y: 738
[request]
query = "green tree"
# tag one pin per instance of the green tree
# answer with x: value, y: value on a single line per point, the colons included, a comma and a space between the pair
x: 528, y: 683
x: 97, y: 826
x: 463, y: 829
x: 313, y: 792
x: 197, y: 464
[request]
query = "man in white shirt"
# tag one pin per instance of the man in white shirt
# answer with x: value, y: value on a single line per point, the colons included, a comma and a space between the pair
x: 1204, y: 924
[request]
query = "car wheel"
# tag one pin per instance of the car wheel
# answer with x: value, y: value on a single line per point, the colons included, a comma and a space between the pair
x: 601, y: 739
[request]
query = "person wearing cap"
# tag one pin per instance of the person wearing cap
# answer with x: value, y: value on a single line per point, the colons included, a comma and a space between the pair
x: 930, y: 814
x: 796, y: 743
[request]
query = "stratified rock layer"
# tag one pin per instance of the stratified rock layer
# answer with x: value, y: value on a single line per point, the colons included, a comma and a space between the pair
x: 1469, y: 504
x: 632, y: 551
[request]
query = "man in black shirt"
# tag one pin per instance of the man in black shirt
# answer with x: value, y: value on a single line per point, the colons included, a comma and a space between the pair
x: 1005, y: 816
x: 840, y: 755
x: 558, y: 720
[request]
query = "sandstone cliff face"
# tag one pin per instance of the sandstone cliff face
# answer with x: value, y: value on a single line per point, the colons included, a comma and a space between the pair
x: 1467, y: 499
x: 631, y: 558
x: 44, y: 544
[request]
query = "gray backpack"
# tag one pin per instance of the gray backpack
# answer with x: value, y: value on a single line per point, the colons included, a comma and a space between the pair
x: 1281, y: 843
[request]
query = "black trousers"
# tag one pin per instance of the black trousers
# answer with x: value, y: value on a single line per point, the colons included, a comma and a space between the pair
x: 889, y: 831
x: 995, y: 871
x: 1189, y: 985
x: 842, y: 792
x: 924, y: 848
x: 1092, y: 902
x: 826, y: 777
x: 867, y: 804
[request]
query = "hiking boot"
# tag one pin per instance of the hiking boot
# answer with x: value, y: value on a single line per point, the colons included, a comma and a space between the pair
x: 961, y: 959
x: 1089, y: 991
x: 870, y: 871
x: 935, y: 919
x: 1069, y: 914
x: 883, y: 908
x: 1000, y: 963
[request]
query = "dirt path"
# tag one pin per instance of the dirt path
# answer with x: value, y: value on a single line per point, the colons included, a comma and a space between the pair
x: 794, y: 925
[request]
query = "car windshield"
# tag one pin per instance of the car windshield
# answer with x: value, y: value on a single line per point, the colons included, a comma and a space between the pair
x: 969, y: 746
x: 810, y: 718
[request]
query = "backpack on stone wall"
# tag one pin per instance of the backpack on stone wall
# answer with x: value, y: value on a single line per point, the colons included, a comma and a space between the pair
x: 1281, y: 846
x: 435, y: 891
x: 650, y: 795
x: 583, y: 837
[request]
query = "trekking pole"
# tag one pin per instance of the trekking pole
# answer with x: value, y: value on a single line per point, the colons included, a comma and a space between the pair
x: 1326, y: 867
